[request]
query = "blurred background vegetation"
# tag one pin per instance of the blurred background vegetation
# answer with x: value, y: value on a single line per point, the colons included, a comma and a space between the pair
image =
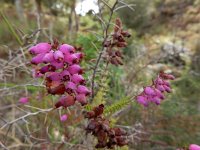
x: 165, y: 36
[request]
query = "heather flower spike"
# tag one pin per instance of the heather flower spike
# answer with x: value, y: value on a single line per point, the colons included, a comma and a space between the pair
x: 155, y: 92
x: 59, y: 64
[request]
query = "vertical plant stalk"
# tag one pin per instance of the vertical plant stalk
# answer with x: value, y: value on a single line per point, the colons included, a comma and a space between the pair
x: 105, y: 33
x: 12, y: 30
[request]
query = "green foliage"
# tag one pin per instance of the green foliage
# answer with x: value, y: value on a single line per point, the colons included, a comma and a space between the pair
x: 86, y: 42
x: 117, y: 106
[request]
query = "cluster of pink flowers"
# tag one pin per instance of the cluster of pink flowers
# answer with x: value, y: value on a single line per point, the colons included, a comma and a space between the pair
x: 155, y: 92
x: 60, y: 65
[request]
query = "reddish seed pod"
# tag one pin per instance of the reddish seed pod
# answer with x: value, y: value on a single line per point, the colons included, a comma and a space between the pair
x: 100, y: 127
x: 59, y: 90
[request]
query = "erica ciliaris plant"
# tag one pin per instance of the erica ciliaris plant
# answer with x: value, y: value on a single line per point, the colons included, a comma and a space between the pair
x: 60, y: 66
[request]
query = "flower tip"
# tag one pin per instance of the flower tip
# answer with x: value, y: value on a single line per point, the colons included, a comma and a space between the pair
x: 194, y: 147
x: 23, y: 100
x: 63, y: 118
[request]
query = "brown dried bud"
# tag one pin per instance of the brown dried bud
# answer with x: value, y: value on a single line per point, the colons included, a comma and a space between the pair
x: 65, y: 101
x: 119, y: 54
x: 90, y: 114
x: 113, y: 61
x: 121, y: 44
x: 126, y: 34
x: 121, y: 140
x: 119, y: 61
x: 101, y: 136
x: 59, y: 90
x: 107, y: 43
x: 55, y: 44
x: 119, y: 131
x: 118, y: 25
x: 98, y: 110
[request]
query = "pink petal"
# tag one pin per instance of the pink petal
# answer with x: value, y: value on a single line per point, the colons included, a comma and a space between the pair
x: 23, y: 100
x: 167, y: 89
x: 54, y: 76
x: 48, y: 57
x: 160, y: 88
x: 142, y: 100
x: 83, y: 90
x: 40, y: 48
x: 58, y: 65
x: 81, y: 98
x: 194, y: 147
x: 58, y: 55
x: 74, y: 69
x: 63, y: 118
x: 37, y: 59
x: 76, y: 78
x: 66, y: 49
x: 70, y: 59
x: 70, y: 87
x: 149, y: 90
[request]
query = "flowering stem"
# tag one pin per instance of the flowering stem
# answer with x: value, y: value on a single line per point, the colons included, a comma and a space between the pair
x: 105, y: 32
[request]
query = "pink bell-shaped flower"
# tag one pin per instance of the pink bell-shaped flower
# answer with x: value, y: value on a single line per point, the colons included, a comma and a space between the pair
x: 40, y: 48
x: 79, y: 55
x: 142, y: 100
x: 74, y: 69
x: 81, y: 98
x: 48, y: 57
x: 70, y: 87
x: 65, y: 75
x: 63, y: 118
x: 149, y: 90
x: 37, y: 59
x: 160, y: 88
x: 78, y: 79
x: 58, y: 56
x: 83, y: 90
x: 167, y: 89
x: 70, y: 59
x: 57, y: 65
x: 23, y: 100
x: 54, y: 76
x: 66, y: 49
x: 194, y: 147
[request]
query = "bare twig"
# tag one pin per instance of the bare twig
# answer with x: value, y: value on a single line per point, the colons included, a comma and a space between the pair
x: 27, y: 115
